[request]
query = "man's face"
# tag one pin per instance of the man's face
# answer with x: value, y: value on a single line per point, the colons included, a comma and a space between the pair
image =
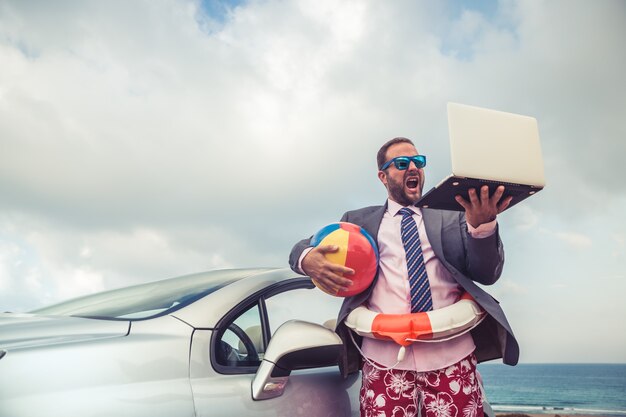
x: 403, y: 187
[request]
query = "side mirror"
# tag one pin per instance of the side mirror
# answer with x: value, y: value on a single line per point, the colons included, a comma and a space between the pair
x: 295, y: 345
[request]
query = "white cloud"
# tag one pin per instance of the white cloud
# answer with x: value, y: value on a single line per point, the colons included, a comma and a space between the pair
x: 525, y: 218
x: 619, y: 245
x: 51, y: 262
x: 508, y: 288
x: 20, y: 286
x: 9, y: 257
x: 76, y: 282
x: 576, y: 240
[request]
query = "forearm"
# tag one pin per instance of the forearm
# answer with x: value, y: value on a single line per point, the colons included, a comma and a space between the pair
x: 296, y: 252
x: 485, y: 256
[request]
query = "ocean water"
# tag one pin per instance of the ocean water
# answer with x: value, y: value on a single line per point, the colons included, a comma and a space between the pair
x: 556, y: 388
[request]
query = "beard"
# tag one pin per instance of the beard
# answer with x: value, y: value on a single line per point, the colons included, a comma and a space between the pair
x: 398, y: 192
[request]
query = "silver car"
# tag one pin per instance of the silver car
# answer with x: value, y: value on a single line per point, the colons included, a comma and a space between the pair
x: 248, y: 342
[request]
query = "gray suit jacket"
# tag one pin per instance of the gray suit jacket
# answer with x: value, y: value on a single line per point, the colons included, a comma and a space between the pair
x: 469, y: 261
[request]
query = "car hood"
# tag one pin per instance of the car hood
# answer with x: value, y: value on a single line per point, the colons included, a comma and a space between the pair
x: 30, y: 330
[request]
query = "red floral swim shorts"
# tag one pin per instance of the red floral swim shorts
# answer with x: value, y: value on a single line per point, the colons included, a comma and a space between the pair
x: 450, y: 392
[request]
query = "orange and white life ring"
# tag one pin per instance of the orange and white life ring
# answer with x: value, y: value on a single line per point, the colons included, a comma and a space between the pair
x: 404, y: 329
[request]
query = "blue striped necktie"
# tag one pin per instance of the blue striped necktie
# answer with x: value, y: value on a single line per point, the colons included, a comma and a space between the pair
x: 421, y: 299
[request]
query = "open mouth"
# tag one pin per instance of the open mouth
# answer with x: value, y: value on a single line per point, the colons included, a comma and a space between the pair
x: 412, y: 183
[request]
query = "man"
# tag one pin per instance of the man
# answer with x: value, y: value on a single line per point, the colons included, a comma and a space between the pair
x: 453, y: 251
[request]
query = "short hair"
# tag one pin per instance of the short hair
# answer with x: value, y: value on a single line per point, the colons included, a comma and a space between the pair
x: 381, y: 157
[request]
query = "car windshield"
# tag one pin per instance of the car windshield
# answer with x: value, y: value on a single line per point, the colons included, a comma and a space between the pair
x: 146, y: 300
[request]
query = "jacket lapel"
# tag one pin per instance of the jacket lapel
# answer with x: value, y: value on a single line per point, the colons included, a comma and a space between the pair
x: 433, y: 224
x: 372, y: 223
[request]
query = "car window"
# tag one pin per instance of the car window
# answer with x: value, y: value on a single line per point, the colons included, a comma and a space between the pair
x: 241, y: 342
x: 308, y: 304
x: 145, y: 301
x: 240, y: 346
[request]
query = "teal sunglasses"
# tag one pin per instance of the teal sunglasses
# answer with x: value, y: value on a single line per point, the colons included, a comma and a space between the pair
x: 403, y: 162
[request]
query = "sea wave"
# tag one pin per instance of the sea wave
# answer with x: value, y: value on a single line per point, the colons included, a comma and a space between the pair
x: 503, y: 408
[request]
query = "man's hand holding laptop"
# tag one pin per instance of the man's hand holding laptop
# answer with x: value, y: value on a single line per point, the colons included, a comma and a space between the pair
x: 483, y: 209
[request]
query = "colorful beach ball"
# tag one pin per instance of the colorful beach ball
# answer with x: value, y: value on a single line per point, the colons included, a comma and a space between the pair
x: 357, y: 250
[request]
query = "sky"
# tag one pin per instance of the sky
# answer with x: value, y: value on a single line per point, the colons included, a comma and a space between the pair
x: 150, y: 139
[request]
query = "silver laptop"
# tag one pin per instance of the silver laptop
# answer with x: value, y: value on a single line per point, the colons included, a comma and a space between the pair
x: 489, y: 147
